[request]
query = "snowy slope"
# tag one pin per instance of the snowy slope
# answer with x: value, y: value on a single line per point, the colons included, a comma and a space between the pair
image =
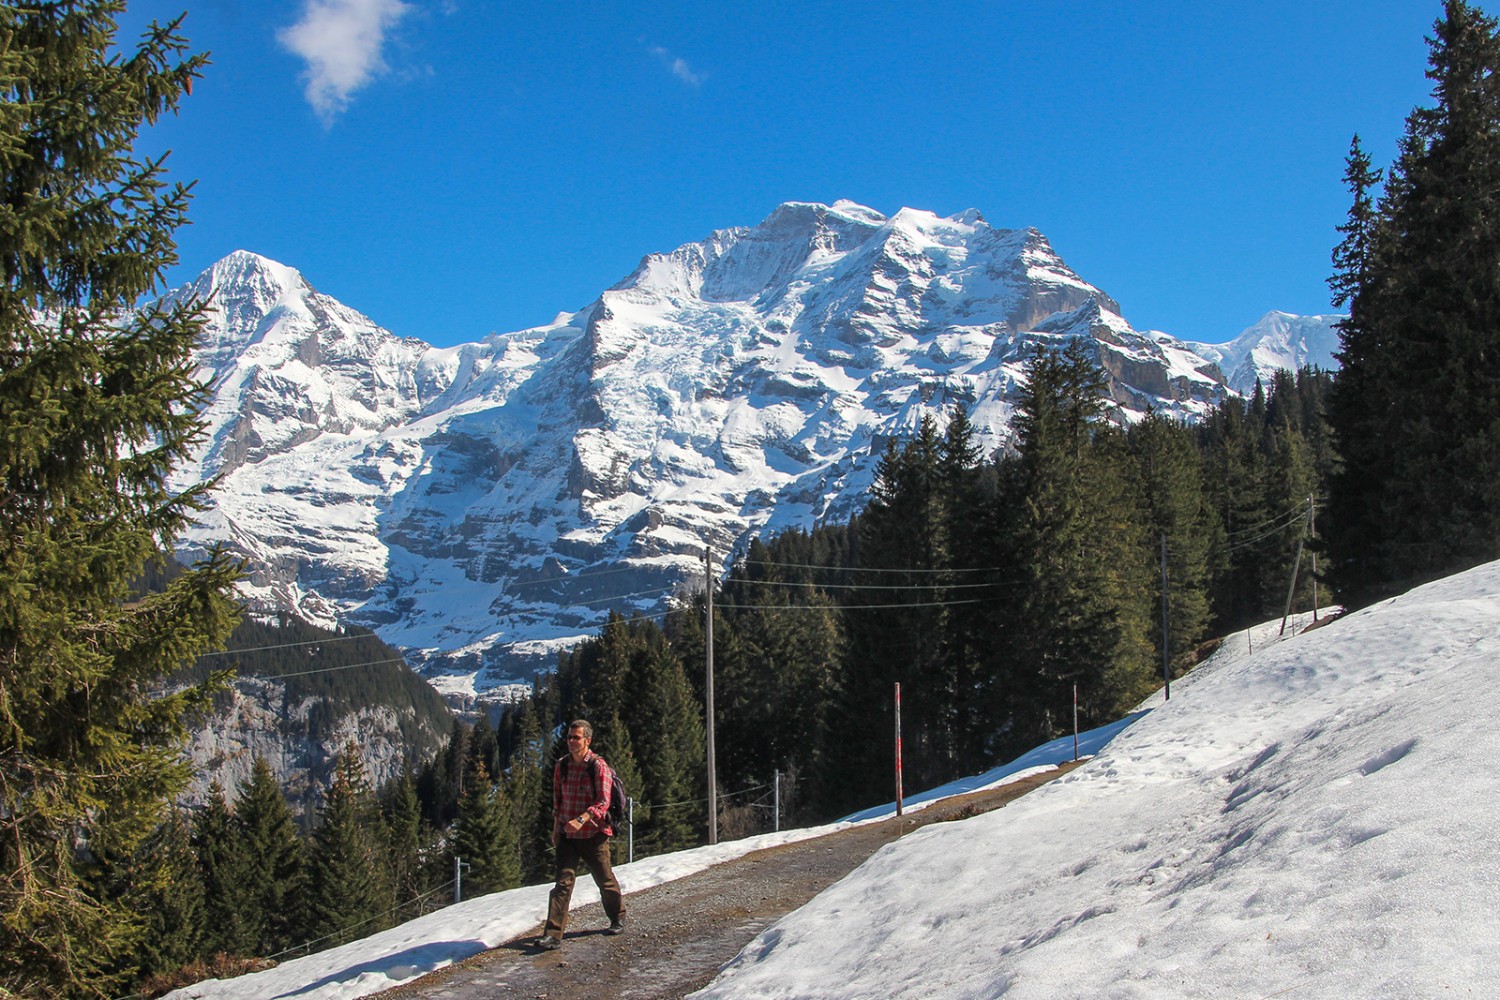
x: 480, y: 506
x: 1310, y: 815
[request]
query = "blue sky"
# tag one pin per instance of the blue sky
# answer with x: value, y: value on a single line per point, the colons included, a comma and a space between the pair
x: 454, y: 168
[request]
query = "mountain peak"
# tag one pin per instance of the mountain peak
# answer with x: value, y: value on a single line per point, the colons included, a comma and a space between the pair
x: 480, y: 503
x: 243, y: 269
x: 1278, y: 340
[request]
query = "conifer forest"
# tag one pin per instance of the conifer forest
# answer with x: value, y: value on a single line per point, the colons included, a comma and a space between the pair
x: 1091, y: 561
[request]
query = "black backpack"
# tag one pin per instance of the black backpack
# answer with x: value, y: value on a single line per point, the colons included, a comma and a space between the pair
x: 616, y: 801
x: 616, y: 815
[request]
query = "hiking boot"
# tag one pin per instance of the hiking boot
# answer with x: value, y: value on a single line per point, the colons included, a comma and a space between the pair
x: 548, y: 943
x: 616, y: 926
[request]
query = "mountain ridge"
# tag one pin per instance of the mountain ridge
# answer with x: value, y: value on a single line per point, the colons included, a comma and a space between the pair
x: 484, y: 505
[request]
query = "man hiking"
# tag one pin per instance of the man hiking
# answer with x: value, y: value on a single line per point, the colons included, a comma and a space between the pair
x: 580, y: 833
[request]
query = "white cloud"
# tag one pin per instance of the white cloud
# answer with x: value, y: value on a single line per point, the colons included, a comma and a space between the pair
x: 341, y: 41
x: 678, y: 66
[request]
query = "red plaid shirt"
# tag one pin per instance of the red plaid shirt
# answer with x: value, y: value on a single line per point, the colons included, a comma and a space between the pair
x: 578, y: 790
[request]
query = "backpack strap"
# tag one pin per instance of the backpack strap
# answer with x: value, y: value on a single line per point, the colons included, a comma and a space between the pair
x: 600, y: 787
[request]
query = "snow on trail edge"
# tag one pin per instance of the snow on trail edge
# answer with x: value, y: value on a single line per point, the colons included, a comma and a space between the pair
x: 1306, y: 815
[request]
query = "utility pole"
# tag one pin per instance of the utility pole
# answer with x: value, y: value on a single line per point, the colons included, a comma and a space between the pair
x: 708, y: 696
x: 1075, y: 721
x: 1291, y: 589
x: 1166, y: 659
x: 458, y: 879
x: 1312, y: 532
x: 898, y: 748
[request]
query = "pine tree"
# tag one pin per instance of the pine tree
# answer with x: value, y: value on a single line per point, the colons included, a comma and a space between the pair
x: 896, y: 625
x: 484, y: 746
x: 274, y: 862
x: 526, y: 790
x: 1415, y: 409
x: 1083, y: 616
x: 1352, y: 257
x: 773, y: 663
x: 619, y: 751
x: 1236, y: 476
x: 406, y: 839
x: 349, y: 893
x: 1291, y: 487
x: 484, y: 838
x: 669, y: 746
x: 965, y: 491
x: 172, y: 897
x: 221, y: 865
x: 440, y: 783
x: 1179, y: 513
x: 98, y: 403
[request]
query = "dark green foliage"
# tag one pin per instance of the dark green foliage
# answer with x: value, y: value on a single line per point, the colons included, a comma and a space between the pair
x: 1416, y: 407
x: 671, y: 754
x: 406, y: 840
x: 666, y: 738
x: 635, y: 692
x: 484, y: 746
x: 484, y: 837
x: 975, y: 585
x: 527, y: 791
x: 1265, y: 463
x: 895, y: 625
x: 1179, y: 514
x: 440, y: 783
x: 225, y: 877
x: 1077, y: 538
x: 778, y: 644
x: 171, y: 893
x: 618, y: 749
x: 349, y: 892
x: 95, y: 417
x: 274, y: 864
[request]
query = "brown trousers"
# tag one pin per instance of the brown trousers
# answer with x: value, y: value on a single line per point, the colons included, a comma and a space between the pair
x: 592, y: 853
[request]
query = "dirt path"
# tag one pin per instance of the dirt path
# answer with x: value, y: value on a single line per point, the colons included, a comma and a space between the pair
x: 682, y: 932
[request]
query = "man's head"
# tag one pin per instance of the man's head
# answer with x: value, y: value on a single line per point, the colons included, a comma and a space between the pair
x: 580, y: 736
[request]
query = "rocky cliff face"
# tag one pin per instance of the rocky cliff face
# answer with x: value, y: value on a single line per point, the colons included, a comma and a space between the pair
x: 482, y: 505
x: 260, y: 721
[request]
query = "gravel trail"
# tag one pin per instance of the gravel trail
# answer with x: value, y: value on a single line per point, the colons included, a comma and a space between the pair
x: 682, y: 932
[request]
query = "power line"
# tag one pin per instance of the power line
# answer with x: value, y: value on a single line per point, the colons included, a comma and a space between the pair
x: 844, y: 607
x: 703, y: 801
x: 875, y: 586
x: 581, y: 575
x: 1246, y: 543
x: 868, y: 569
x: 329, y: 670
x: 1282, y: 520
x: 290, y: 645
x: 621, y: 597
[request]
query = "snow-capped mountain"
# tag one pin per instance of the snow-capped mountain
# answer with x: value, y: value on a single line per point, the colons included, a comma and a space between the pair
x: 1278, y: 341
x: 482, y: 505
